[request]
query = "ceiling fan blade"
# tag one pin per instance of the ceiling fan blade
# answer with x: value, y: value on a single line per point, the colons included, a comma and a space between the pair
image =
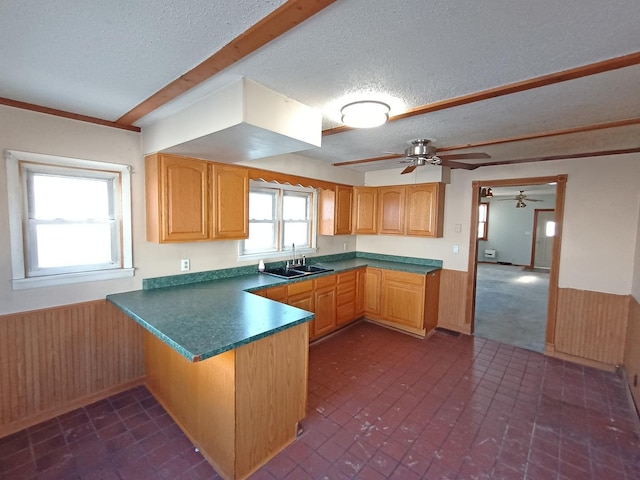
x: 409, y: 169
x: 451, y: 164
x: 367, y: 160
x: 464, y: 156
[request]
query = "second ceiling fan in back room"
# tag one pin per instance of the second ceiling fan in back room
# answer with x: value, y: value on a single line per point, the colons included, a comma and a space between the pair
x: 520, y: 198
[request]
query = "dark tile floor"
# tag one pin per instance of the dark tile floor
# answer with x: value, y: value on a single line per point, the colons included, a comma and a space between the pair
x: 381, y: 405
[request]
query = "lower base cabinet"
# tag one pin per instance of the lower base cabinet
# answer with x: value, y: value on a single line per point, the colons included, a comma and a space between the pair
x: 403, y: 300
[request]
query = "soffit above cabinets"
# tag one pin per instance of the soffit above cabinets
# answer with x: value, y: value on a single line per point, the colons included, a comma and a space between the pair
x: 242, y: 121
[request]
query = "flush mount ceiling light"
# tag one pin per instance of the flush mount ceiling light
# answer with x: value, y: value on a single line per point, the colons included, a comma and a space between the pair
x: 365, y: 114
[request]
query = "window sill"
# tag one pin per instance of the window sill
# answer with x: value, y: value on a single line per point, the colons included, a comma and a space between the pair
x: 69, y: 278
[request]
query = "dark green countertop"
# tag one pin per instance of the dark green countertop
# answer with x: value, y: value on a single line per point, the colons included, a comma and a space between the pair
x: 211, y: 316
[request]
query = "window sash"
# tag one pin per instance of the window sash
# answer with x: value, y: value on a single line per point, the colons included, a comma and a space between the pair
x: 18, y: 165
x: 280, y: 224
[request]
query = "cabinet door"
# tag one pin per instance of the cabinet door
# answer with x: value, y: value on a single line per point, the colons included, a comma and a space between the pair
x: 365, y: 208
x: 177, y: 199
x: 403, y: 298
x: 230, y: 195
x: 391, y: 210
x: 372, y: 290
x: 325, y: 310
x: 424, y: 210
x: 335, y: 211
x: 344, y: 198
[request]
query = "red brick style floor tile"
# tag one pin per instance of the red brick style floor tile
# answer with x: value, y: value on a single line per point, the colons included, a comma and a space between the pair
x: 382, y: 405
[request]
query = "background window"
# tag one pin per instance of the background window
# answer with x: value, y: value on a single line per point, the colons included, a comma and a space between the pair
x: 70, y: 220
x: 279, y: 216
x: 483, y: 221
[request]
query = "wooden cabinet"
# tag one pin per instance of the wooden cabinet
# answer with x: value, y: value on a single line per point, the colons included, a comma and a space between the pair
x: 279, y: 294
x: 189, y: 200
x: 346, y: 297
x: 335, y: 211
x: 372, y: 291
x: 413, y: 210
x: 230, y: 200
x: 360, y: 280
x: 301, y: 295
x: 409, y: 301
x: 365, y: 208
x: 403, y: 298
x: 325, y: 305
x: 177, y: 199
x: 424, y: 210
x: 391, y: 202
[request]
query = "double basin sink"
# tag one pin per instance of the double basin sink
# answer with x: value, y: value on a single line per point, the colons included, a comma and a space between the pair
x: 296, y: 271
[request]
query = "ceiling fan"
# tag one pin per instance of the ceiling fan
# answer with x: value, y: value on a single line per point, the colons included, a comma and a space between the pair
x: 520, y: 198
x: 420, y: 152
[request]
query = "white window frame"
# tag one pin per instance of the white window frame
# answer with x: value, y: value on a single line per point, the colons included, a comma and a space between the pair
x: 18, y: 218
x: 281, y: 250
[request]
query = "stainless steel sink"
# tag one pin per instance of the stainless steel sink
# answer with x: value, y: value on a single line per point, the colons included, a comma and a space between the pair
x: 297, y: 271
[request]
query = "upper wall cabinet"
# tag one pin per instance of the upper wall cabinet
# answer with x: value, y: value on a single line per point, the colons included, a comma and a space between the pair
x: 177, y: 199
x: 365, y: 210
x: 191, y: 200
x: 335, y: 211
x: 391, y: 202
x: 230, y: 200
x: 413, y: 210
x: 424, y: 210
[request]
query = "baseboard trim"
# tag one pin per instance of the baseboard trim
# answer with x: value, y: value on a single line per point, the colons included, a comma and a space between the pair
x: 23, y: 423
x: 581, y: 361
x: 466, y: 329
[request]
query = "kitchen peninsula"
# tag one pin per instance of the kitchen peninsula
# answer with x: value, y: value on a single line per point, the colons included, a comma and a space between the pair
x: 231, y: 366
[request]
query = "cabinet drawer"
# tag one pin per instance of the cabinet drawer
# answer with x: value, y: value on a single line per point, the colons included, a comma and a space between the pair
x: 328, y: 281
x: 299, y: 287
x: 346, y: 313
x: 405, y: 277
x: 346, y: 277
x: 346, y: 298
x: 277, y: 293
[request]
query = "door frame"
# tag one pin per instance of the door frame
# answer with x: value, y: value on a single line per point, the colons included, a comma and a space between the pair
x: 534, y: 232
x: 476, y: 186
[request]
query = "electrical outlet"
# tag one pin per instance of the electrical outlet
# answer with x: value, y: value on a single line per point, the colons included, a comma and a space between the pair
x: 346, y: 245
x: 456, y: 249
x: 185, y: 265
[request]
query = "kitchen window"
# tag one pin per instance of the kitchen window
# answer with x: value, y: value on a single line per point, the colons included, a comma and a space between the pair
x: 70, y: 220
x: 279, y: 217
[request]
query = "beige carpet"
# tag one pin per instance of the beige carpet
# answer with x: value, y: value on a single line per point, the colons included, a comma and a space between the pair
x: 511, y: 305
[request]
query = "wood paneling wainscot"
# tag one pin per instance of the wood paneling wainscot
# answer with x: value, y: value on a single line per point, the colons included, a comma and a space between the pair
x: 453, y: 294
x: 591, y: 327
x: 632, y: 350
x: 57, y: 359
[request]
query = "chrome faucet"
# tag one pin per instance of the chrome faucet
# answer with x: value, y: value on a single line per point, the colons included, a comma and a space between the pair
x: 293, y: 249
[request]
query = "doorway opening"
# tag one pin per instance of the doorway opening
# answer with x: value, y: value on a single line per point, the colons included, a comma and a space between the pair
x: 513, y: 262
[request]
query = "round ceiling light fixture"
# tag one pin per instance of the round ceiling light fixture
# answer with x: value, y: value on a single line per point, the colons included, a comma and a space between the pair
x: 365, y: 114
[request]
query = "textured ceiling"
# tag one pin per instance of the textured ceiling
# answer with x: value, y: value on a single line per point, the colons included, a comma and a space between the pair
x: 103, y: 58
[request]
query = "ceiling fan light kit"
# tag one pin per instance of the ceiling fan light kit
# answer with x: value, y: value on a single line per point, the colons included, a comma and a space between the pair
x: 365, y: 114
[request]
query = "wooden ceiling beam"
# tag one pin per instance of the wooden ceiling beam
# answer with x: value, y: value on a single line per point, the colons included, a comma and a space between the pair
x: 281, y: 20
x: 601, y: 153
x: 64, y: 114
x: 552, y: 133
x: 516, y: 87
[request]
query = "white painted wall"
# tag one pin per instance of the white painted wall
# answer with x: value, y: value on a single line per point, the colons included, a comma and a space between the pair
x: 511, y: 229
x: 34, y: 132
x: 600, y: 223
